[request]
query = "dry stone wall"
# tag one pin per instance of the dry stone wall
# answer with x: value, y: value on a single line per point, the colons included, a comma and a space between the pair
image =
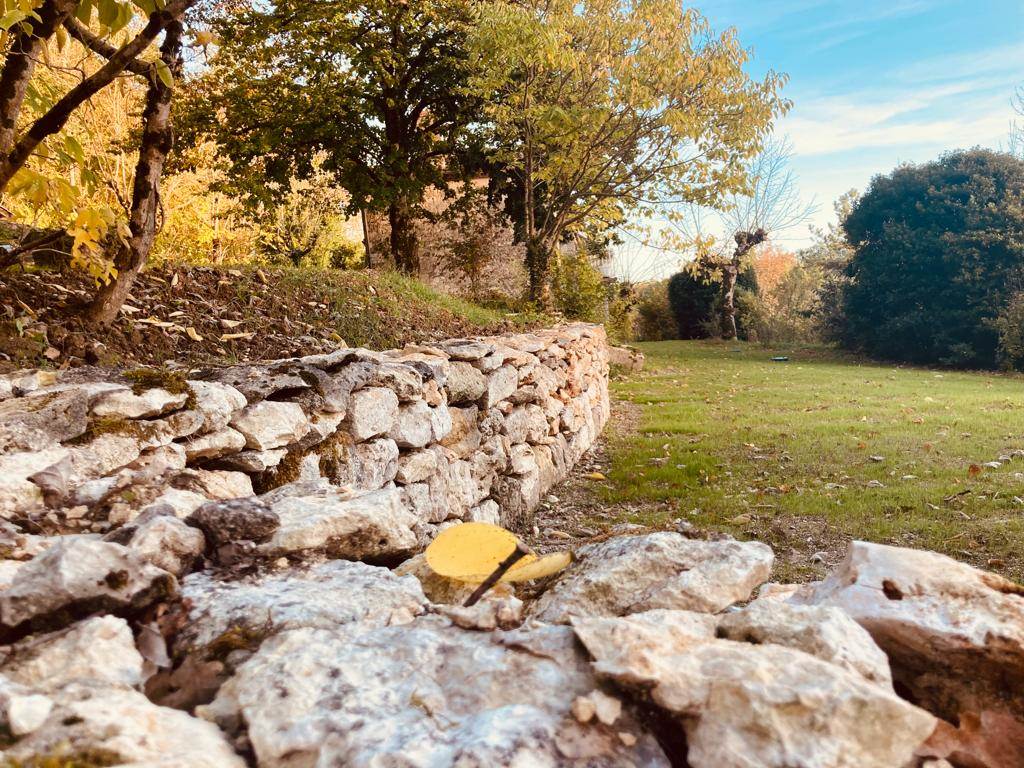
x: 357, y: 452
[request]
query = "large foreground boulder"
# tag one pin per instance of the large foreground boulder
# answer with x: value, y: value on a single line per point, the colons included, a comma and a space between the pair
x: 954, y: 636
x: 753, y: 706
x: 331, y: 595
x: 91, y: 724
x: 75, y: 577
x: 629, y: 574
x: 822, y: 631
x: 425, y: 694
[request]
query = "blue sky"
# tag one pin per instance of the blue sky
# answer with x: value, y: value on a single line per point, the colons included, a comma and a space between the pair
x: 876, y: 83
x: 880, y: 82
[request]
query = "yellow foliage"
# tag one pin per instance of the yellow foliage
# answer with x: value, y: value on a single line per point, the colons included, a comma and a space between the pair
x: 472, y: 551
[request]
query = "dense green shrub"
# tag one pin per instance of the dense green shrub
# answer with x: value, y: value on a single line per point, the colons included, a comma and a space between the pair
x: 939, y: 249
x: 691, y: 296
x: 1010, y: 325
x: 655, y: 321
x: 577, y: 287
x: 694, y: 296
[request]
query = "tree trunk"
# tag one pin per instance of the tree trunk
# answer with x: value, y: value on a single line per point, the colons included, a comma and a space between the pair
x: 26, y: 49
x: 745, y: 243
x: 404, y: 245
x: 538, y: 266
x: 20, y: 150
x: 157, y: 141
x: 728, y: 310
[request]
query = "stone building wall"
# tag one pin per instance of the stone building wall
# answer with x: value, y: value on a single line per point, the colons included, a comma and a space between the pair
x: 356, y: 452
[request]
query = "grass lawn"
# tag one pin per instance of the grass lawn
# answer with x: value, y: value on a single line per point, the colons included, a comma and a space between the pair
x: 809, y: 453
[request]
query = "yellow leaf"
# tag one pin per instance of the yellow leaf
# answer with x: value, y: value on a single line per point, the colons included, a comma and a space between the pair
x: 471, y: 551
x: 595, y: 476
x: 193, y: 334
x: 540, y: 568
x: 233, y: 336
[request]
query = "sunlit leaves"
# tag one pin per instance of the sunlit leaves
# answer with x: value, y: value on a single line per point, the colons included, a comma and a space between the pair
x: 473, y: 551
x: 610, y: 106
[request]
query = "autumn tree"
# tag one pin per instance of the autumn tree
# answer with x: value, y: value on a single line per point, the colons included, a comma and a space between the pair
x: 35, y: 150
x: 600, y: 109
x: 375, y: 84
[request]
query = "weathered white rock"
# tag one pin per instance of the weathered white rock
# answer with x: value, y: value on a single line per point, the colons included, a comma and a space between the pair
x: 214, y: 444
x: 826, y: 632
x: 486, y: 511
x: 745, y: 705
x: 629, y: 574
x: 80, y: 575
x: 125, y: 725
x: 500, y: 385
x: 217, y: 402
x: 464, y: 436
x: 424, y: 694
x: 270, y: 424
x: 126, y: 404
x: 17, y: 492
x: 100, y: 649
x: 374, y: 464
x: 40, y: 422
x: 255, y: 462
x: 330, y: 519
x: 416, y: 466
x: 465, y: 383
x: 954, y: 635
x: 181, y: 502
x: 372, y: 411
x: 526, y: 423
x: 404, y: 380
x: 521, y: 460
x: 246, y: 519
x: 490, y: 613
x: 332, y: 595
x: 168, y: 543
x: 412, y: 428
x: 466, y: 349
x: 22, y: 710
x: 440, y: 422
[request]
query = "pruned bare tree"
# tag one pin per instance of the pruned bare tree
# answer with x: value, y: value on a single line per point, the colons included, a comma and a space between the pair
x: 770, y: 205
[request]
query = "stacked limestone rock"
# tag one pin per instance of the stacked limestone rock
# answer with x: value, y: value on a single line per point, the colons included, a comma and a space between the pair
x: 411, y: 438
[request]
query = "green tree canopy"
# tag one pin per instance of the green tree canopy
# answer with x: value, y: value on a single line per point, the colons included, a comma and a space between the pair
x: 600, y: 109
x: 939, y: 249
x: 378, y: 85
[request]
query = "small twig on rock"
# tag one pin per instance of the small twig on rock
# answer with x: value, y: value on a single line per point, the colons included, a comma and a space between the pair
x: 518, y: 554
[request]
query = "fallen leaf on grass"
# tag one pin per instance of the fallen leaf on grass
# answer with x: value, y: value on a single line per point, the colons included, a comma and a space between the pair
x: 233, y: 336
x: 595, y: 476
x: 193, y: 334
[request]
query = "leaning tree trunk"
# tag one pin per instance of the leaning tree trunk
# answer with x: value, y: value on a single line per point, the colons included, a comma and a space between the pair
x: 19, y: 65
x: 157, y: 141
x: 728, y: 311
x: 538, y: 267
x: 404, y: 244
x: 745, y: 243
